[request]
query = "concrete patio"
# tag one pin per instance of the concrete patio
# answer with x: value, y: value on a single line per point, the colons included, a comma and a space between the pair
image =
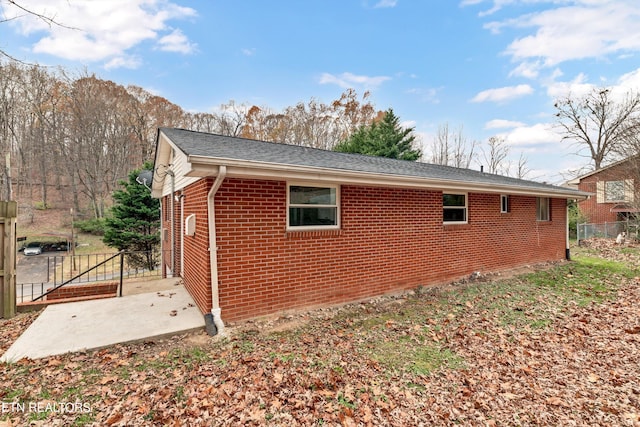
x: 87, y: 325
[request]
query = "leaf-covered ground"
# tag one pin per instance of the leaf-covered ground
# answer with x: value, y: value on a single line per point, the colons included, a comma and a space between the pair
x: 559, y: 345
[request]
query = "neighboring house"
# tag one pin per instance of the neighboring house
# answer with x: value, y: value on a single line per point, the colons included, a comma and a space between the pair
x: 615, y: 187
x: 260, y: 228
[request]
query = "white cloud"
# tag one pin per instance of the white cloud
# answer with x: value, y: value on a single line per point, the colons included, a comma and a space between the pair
x: 502, y: 124
x: 385, y: 3
x: 528, y: 136
x: 176, y: 41
x: 348, y: 80
x: 249, y: 51
x: 585, y: 29
x: 497, y: 5
x: 131, y: 62
x: 429, y: 95
x: 100, y: 30
x: 630, y: 81
x: 503, y: 94
x: 576, y: 87
x: 529, y: 70
x: 580, y: 86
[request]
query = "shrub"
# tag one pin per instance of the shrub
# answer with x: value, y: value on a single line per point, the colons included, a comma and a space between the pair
x: 93, y: 226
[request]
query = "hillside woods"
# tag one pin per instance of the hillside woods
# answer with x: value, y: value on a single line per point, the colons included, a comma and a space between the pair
x: 68, y: 138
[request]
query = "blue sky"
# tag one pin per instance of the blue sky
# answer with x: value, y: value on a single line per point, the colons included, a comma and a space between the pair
x: 492, y: 67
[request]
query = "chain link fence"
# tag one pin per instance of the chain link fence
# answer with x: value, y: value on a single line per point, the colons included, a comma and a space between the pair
x: 609, y: 230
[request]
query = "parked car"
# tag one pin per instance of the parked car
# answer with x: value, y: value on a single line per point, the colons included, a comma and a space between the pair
x: 33, y: 248
x: 55, y: 246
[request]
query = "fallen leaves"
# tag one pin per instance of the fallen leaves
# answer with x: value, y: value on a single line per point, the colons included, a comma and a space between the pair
x: 526, y: 359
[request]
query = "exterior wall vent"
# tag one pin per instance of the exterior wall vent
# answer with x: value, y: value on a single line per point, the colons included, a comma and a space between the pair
x: 190, y: 225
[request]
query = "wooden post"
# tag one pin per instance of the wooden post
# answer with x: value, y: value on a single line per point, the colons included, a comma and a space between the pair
x: 8, y: 214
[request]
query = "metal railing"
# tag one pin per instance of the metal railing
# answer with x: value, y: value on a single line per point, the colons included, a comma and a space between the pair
x: 66, y: 265
x: 63, y: 269
x: 608, y: 230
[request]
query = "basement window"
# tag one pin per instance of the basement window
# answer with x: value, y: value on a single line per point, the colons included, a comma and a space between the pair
x: 311, y: 207
x: 454, y: 208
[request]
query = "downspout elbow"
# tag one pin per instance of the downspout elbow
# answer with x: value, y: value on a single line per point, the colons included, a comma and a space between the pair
x: 213, y: 254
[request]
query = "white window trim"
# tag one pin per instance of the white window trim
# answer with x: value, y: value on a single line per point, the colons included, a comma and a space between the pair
x: 505, y: 198
x: 466, y: 208
x: 628, y: 191
x: 314, y: 227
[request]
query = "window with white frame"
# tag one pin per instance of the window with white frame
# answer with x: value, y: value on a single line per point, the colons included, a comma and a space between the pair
x: 542, y: 209
x: 454, y: 208
x: 312, y: 207
x: 504, y: 204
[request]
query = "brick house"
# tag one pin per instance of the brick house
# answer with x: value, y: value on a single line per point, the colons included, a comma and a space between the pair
x: 616, y: 188
x: 256, y: 228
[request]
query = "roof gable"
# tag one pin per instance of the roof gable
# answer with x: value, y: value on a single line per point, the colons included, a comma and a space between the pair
x: 607, y: 168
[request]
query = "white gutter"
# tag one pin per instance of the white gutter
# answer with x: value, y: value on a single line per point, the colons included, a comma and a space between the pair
x: 213, y: 249
x: 173, y: 222
x: 201, y: 166
x: 181, y: 197
x: 567, y: 243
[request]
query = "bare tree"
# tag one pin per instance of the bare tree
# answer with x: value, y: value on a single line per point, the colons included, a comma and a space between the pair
x: 494, y: 157
x: 351, y: 113
x: 9, y: 116
x: 40, y: 129
x: 312, y: 123
x: 148, y: 113
x: 452, y: 148
x: 522, y: 169
x: 264, y: 124
x: 21, y: 11
x: 201, y: 122
x: 100, y: 138
x: 598, y: 122
x: 231, y: 118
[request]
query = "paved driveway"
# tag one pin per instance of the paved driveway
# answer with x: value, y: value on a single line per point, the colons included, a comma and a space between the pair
x: 31, y: 272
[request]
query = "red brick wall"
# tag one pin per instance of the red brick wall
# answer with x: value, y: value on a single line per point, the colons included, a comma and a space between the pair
x: 593, y: 211
x: 77, y: 291
x: 390, y: 239
x: 196, y: 272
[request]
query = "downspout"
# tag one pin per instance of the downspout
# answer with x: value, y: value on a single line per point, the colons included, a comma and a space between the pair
x: 173, y: 225
x: 567, y: 251
x: 181, y: 197
x: 213, y: 251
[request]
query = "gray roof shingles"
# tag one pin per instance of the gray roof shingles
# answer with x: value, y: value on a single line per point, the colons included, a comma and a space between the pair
x: 227, y: 147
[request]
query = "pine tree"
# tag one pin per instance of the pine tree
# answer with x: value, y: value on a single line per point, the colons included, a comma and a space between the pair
x: 134, y: 223
x: 384, y: 138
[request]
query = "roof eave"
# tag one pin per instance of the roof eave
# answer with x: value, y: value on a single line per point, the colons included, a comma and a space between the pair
x: 202, y: 166
x: 163, y: 155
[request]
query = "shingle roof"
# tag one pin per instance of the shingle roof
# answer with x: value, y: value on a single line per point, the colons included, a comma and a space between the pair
x: 193, y: 143
x: 634, y: 159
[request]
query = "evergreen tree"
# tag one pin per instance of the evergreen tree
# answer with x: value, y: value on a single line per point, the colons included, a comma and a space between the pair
x: 134, y: 223
x: 384, y: 138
